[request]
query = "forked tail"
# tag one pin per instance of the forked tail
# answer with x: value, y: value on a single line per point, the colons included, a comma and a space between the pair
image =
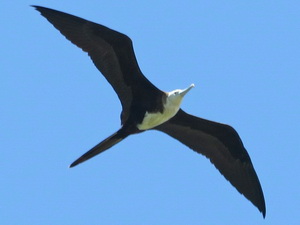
x: 101, y: 147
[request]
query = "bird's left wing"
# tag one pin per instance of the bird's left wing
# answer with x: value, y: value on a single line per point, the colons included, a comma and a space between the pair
x: 222, y: 145
x: 111, y: 51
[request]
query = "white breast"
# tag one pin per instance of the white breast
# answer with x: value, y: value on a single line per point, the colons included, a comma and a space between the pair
x: 154, y: 119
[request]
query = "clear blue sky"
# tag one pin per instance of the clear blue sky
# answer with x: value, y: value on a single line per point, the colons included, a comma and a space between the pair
x: 244, y: 58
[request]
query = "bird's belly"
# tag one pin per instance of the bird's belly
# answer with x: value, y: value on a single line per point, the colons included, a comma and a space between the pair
x: 154, y: 119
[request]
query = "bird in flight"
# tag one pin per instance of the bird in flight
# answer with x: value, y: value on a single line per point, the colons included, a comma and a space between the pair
x: 145, y: 107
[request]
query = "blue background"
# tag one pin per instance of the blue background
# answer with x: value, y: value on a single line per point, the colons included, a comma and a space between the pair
x: 244, y: 60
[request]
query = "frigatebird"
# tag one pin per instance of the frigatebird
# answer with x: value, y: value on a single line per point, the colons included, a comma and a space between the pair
x: 146, y: 107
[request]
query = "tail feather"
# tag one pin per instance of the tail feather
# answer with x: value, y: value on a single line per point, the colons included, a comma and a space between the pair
x: 101, y: 147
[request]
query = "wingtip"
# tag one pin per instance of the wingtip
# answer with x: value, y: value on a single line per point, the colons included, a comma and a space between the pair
x: 260, y: 205
x: 35, y: 6
x: 264, y: 213
x: 40, y: 8
x: 262, y: 208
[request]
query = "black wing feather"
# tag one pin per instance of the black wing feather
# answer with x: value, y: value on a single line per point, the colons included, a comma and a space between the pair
x: 112, y: 53
x: 223, y: 146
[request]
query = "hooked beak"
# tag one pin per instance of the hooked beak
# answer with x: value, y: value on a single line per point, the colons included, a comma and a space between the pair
x: 183, y: 93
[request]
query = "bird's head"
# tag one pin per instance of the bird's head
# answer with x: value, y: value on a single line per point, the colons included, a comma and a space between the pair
x: 177, y: 95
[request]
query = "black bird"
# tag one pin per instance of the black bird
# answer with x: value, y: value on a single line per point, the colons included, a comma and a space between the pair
x: 146, y: 107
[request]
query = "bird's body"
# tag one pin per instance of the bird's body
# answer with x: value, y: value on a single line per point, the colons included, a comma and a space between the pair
x: 171, y: 105
x: 151, y: 120
x: 146, y: 107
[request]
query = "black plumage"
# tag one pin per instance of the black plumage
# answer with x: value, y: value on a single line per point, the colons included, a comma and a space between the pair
x: 112, y: 53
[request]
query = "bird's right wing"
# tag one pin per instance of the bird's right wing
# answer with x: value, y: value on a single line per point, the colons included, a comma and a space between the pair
x: 223, y: 146
x: 112, y: 53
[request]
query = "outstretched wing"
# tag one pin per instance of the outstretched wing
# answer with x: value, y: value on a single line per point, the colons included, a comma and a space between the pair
x: 223, y: 146
x: 112, y: 53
